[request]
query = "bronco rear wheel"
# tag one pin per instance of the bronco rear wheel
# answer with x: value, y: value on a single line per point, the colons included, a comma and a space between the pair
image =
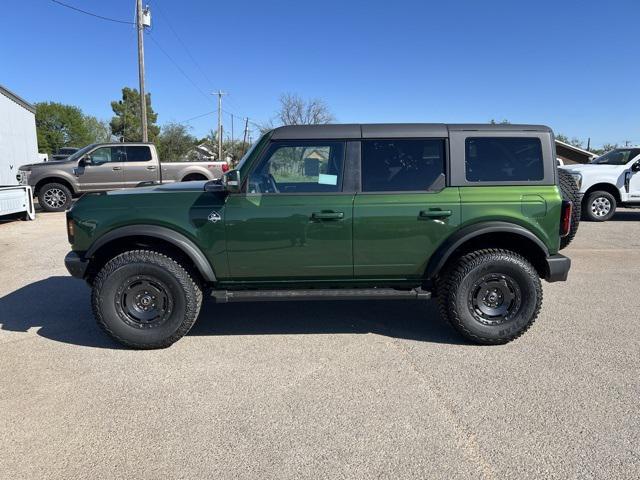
x: 144, y: 299
x: 490, y: 296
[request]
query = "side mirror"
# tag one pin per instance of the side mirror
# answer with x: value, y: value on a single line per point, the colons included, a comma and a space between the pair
x: 636, y: 167
x: 231, y: 180
x: 82, y: 162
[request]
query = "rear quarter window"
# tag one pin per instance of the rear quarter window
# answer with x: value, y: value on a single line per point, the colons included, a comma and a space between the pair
x: 503, y: 159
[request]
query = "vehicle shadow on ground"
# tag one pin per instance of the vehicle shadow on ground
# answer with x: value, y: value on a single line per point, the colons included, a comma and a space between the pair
x: 626, y: 216
x: 59, y: 307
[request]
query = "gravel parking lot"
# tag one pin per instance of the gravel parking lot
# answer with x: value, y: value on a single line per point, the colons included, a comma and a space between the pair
x: 321, y: 390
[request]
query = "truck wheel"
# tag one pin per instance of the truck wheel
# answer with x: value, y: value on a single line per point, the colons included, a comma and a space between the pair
x: 570, y: 191
x: 490, y: 296
x: 599, y: 206
x: 54, y: 197
x: 145, y: 300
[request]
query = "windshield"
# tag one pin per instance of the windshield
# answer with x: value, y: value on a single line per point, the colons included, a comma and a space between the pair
x: 80, y: 152
x: 620, y: 156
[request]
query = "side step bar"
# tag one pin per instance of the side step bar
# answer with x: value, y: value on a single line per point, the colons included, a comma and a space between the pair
x: 224, y: 296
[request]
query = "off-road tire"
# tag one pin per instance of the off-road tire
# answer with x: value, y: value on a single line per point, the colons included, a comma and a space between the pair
x: 456, y: 288
x: 587, y: 206
x: 48, y: 193
x: 570, y: 191
x: 184, y: 297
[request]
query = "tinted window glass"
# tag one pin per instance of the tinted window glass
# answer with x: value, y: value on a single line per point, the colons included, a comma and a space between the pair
x: 299, y: 168
x: 401, y: 165
x: 138, y: 154
x: 503, y: 159
x: 106, y: 155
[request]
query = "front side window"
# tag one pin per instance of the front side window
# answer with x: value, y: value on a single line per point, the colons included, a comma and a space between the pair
x: 503, y: 159
x: 107, y: 154
x: 299, y: 168
x: 402, y: 165
x: 138, y: 153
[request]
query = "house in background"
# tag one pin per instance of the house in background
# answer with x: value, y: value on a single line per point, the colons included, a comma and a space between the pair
x: 18, y: 138
x: 572, y: 155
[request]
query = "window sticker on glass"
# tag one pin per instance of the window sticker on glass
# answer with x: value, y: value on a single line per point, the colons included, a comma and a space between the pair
x: 324, y: 179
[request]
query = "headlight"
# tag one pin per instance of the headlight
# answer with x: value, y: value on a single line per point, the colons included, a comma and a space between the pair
x: 577, y: 177
x: 23, y: 176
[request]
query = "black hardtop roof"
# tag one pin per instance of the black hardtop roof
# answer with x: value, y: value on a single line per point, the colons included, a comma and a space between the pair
x: 392, y: 130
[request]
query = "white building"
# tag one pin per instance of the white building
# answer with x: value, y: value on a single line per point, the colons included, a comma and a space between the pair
x: 18, y: 138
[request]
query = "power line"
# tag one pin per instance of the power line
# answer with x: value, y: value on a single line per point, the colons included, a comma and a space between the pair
x: 93, y: 14
x: 184, y: 45
x: 178, y: 67
x: 198, y: 116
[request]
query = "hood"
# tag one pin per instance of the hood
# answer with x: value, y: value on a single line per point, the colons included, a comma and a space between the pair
x: 591, y: 167
x: 30, y: 166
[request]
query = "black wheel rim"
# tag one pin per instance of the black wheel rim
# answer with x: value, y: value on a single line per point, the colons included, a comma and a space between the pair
x: 494, y: 299
x: 144, y: 302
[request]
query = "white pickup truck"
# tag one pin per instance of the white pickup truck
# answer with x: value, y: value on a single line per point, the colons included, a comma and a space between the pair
x: 108, y: 166
x: 609, y: 181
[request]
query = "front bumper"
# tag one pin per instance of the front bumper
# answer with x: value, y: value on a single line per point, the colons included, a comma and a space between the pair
x: 558, y: 268
x: 76, y: 265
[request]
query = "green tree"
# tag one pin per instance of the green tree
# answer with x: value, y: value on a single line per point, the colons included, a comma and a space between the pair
x: 174, y: 142
x: 576, y: 142
x: 99, y: 130
x: 126, y: 120
x: 60, y: 125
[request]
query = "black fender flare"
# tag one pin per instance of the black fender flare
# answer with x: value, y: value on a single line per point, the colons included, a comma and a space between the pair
x: 177, y: 239
x: 446, y: 249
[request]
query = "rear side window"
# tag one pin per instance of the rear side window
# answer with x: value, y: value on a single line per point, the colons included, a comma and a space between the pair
x: 503, y: 159
x: 402, y: 165
x: 138, y: 154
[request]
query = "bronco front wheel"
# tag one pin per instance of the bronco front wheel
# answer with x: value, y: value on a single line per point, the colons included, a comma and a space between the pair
x: 491, y: 296
x: 144, y: 299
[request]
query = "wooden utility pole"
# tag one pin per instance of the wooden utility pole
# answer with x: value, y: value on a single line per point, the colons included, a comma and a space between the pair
x: 220, y: 94
x: 246, y: 132
x: 143, y: 96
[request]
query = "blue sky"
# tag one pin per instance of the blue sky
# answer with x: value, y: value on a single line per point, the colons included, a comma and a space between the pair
x: 572, y: 65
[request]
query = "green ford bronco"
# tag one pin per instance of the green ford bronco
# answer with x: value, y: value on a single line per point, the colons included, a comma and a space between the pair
x: 471, y: 214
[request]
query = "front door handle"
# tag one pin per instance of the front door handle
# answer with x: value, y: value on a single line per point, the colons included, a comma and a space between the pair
x: 327, y: 216
x: 151, y: 167
x: 116, y: 168
x: 434, y: 213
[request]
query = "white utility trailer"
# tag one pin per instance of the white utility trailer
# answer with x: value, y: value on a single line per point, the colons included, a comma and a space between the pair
x: 18, y: 146
x: 16, y: 199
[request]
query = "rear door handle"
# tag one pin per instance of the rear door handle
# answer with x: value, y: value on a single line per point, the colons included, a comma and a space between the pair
x: 434, y: 213
x: 327, y: 215
x: 117, y: 168
x: 151, y: 167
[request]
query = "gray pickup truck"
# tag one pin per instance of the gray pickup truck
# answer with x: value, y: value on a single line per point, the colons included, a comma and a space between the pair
x: 108, y: 166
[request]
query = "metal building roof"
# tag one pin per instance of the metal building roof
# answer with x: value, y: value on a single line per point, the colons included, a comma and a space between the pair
x: 19, y: 100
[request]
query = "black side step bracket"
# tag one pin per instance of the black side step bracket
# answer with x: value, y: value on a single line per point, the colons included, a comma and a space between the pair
x: 224, y: 296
